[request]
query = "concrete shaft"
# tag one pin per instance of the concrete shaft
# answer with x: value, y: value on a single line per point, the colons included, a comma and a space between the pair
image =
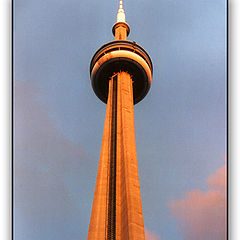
x: 120, y: 32
x: 117, y: 208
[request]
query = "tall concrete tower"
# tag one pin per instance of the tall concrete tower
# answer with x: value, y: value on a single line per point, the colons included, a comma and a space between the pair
x: 121, y: 74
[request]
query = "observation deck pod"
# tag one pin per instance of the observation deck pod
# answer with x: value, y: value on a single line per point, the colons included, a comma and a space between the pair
x: 121, y: 55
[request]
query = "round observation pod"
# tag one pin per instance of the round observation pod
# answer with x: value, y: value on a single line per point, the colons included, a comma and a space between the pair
x: 121, y: 55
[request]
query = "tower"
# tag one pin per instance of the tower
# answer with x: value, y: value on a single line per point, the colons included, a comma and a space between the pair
x: 121, y: 74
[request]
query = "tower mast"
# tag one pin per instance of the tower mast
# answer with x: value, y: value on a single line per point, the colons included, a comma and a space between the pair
x: 120, y: 14
x: 121, y: 73
x: 121, y: 27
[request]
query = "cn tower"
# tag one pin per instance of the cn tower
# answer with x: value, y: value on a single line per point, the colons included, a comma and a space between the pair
x: 121, y: 75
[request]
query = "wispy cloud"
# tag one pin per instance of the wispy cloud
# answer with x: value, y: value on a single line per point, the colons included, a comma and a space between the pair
x: 202, y: 214
x: 47, y: 170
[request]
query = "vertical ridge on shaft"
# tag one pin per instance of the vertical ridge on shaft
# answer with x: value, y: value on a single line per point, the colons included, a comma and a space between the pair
x: 113, y: 163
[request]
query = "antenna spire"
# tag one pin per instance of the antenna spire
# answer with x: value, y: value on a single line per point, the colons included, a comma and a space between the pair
x: 120, y: 4
x: 120, y: 14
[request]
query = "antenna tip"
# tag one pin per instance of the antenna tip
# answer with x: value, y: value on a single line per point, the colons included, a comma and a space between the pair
x: 120, y: 14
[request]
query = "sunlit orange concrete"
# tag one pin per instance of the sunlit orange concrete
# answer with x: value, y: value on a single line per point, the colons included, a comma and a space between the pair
x: 129, y: 217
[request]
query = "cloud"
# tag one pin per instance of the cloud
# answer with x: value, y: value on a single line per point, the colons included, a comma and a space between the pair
x: 150, y: 235
x: 218, y: 180
x: 202, y: 214
x: 50, y: 173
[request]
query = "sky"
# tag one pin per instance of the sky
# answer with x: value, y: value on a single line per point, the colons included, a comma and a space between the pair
x: 180, y: 125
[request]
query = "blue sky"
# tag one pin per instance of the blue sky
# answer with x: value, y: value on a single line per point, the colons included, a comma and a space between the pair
x: 180, y: 125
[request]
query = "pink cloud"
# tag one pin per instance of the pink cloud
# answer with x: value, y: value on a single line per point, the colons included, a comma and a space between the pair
x: 43, y: 160
x: 202, y: 214
x: 151, y: 236
x: 218, y: 180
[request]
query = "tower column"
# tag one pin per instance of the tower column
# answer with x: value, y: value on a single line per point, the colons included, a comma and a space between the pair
x: 131, y: 217
x: 117, y: 209
x: 99, y: 216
